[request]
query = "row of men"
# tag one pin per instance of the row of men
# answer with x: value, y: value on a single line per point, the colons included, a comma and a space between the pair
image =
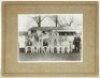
x: 70, y: 46
x: 48, y: 49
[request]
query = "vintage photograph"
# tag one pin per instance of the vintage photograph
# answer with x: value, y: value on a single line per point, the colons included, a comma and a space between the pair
x: 50, y: 37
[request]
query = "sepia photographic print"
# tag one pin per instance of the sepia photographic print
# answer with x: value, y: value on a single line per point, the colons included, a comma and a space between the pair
x: 50, y: 37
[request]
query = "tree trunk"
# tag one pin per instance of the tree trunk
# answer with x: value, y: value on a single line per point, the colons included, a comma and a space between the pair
x: 39, y: 22
x: 56, y: 21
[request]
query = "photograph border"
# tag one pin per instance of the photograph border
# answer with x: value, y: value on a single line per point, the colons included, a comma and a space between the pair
x: 48, y: 3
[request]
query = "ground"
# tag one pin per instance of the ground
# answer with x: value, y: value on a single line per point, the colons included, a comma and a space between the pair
x: 49, y: 57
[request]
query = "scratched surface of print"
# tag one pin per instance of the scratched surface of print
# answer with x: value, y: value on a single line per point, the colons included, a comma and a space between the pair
x: 50, y: 37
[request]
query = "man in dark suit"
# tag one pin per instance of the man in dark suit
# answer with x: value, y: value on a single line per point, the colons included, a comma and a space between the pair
x: 77, y: 42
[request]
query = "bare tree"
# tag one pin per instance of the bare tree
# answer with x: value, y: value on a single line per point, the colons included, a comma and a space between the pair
x: 70, y: 21
x: 38, y: 20
x: 55, y: 20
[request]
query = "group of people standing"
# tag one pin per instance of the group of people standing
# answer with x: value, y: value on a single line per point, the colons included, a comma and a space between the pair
x: 50, y: 42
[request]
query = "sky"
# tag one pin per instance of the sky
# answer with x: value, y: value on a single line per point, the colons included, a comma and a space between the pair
x: 26, y: 21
